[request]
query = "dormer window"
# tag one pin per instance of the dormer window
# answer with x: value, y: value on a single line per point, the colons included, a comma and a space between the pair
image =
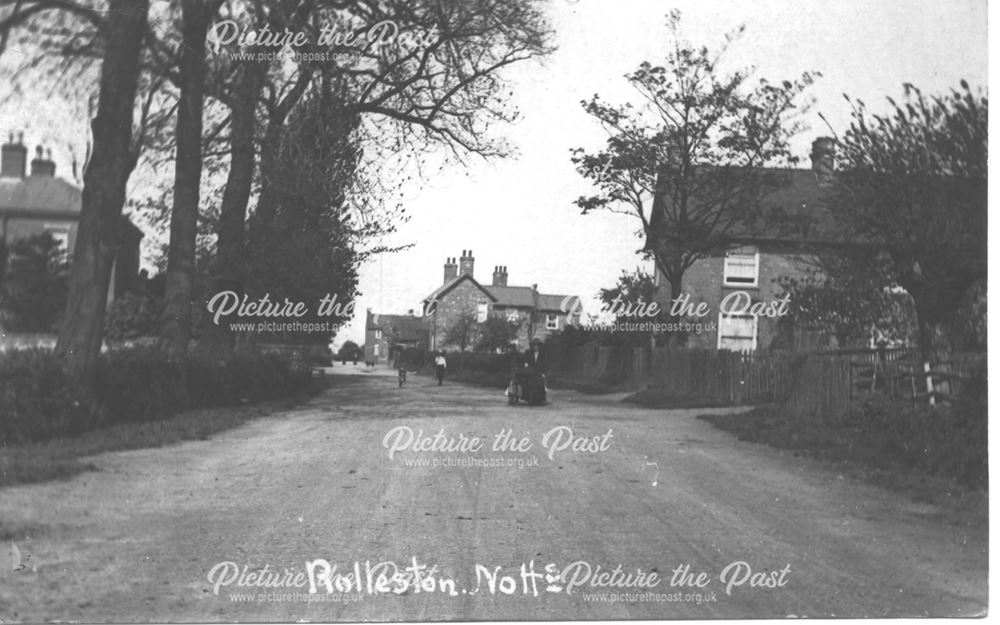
x: 742, y: 267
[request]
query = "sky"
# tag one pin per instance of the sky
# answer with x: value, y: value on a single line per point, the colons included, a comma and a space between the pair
x: 519, y: 211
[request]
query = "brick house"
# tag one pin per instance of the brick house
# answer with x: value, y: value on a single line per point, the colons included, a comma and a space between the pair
x: 749, y: 271
x: 386, y: 335
x: 38, y: 202
x: 536, y: 314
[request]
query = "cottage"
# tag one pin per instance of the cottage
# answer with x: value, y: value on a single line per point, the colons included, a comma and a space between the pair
x: 749, y: 271
x: 38, y: 202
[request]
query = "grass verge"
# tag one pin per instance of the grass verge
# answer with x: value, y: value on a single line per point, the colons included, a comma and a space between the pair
x: 659, y: 398
x: 65, y: 457
x: 939, y: 459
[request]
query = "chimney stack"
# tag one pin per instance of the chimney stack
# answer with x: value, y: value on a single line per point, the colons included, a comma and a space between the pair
x: 450, y: 269
x: 466, y: 263
x: 500, y: 275
x: 824, y: 152
x: 13, y: 157
x: 42, y: 164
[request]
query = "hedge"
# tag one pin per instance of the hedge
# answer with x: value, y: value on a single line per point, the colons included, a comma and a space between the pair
x: 132, y: 385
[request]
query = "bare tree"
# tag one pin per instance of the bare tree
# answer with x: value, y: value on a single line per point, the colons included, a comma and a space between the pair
x: 123, y: 27
x: 409, y: 98
x: 196, y: 17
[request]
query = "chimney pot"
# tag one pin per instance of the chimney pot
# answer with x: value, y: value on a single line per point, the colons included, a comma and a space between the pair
x: 499, y: 276
x: 450, y: 270
x: 466, y: 263
x: 41, y: 166
x: 824, y: 152
x: 13, y: 158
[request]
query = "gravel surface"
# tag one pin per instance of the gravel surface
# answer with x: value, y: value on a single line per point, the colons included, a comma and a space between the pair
x: 651, y: 491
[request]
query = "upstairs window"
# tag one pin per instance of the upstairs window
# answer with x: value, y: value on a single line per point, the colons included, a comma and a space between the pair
x: 742, y: 267
x: 551, y: 322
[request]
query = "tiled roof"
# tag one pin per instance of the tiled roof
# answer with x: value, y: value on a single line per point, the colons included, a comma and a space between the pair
x: 506, y: 296
x: 554, y: 303
x: 400, y: 327
x: 795, y: 211
x: 519, y: 296
x: 800, y: 207
x: 523, y: 297
x: 47, y: 195
x: 449, y: 285
x: 39, y: 194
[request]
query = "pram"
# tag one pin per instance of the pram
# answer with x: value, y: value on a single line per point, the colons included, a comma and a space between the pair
x: 527, y: 385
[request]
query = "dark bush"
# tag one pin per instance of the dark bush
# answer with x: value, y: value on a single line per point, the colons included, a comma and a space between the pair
x: 132, y: 316
x: 414, y: 358
x: 948, y: 441
x: 36, y: 399
x: 320, y: 355
x: 132, y: 385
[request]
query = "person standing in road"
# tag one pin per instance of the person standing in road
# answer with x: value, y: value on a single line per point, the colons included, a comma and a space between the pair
x: 440, y: 364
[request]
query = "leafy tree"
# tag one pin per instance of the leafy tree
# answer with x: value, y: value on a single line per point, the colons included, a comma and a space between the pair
x: 34, y: 285
x: 349, y: 351
x: 462, y: 331
x: 850, y: 296
x: 632, y: 290
x: 307, y: 248
x: 691, y: 162
x: 496, y: 333
x: 633, y: 299
x: 913, y: 183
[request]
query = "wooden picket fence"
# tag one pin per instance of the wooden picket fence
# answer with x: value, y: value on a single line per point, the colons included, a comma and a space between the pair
x: 904, y: 377
x: 817, y: 383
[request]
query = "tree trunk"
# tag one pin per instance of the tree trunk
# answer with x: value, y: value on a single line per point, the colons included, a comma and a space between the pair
x: 235, y: 198
x: 676, y: 282
x: 104, y: 181
x: 178, y: 299
x: 269, y: 177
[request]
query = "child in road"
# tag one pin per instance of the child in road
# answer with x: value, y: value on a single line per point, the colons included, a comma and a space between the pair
x: 440, y: 364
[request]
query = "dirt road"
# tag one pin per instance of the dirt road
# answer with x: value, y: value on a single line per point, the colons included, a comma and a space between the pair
x: 650, y: 491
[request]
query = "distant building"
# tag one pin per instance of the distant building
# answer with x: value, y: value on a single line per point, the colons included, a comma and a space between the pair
x: 387, y: 335
x: 536, y: 314
x: 37, y: 202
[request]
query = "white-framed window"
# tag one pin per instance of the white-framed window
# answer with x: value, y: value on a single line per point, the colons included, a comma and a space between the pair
x: 378, y: 334
x: 551, y: 322
x: 375, y: 349
x: 737, y: 332
x: 60, y: 234
x: 742, y: 267
x: 482, y: 311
